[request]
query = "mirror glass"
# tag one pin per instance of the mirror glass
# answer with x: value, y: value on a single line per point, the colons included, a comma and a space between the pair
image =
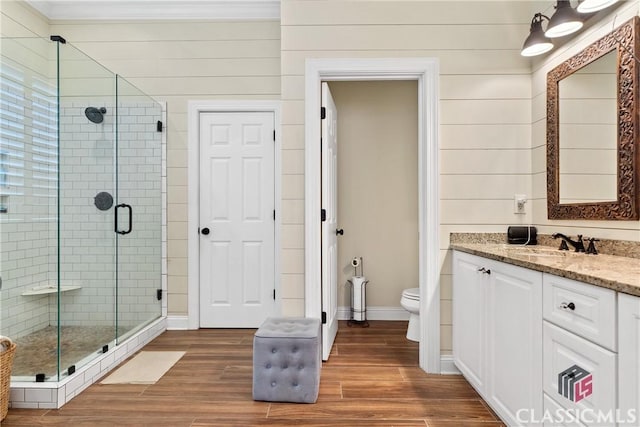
x: 588, y: 125
x: 593, y: 153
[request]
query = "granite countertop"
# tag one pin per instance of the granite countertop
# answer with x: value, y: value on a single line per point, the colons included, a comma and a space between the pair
x: 619, y: 273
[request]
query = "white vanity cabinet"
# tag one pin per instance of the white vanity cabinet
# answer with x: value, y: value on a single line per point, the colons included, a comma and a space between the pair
x: 629, y: 357
x: 497, y: 333
x: 579, y: 350
x: 543, y: 349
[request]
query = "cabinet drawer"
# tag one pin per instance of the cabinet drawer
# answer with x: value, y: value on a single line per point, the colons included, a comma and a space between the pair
x: 587, y: 310
x: 578, y: 374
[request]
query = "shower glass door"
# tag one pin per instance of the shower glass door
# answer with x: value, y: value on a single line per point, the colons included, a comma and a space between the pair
x: 139, y: 210
x: 86, y: 239
x: 28, y: 203
x: 80, y: 207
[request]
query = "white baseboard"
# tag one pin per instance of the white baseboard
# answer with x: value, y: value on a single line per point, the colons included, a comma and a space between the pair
x: 177, y: 323
x: 376, y: 313
x: 447, y: 367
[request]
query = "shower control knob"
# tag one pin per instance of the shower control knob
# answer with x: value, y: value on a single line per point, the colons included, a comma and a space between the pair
x: 205, y: 231
x: 339, y: 231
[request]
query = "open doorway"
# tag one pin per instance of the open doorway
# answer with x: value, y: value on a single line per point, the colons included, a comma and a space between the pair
x: 425, y: 72
x: 377, y: 192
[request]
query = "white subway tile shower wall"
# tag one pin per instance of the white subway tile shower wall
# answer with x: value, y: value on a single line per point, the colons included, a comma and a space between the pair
x: 87, y: 241
x: 87, y: 238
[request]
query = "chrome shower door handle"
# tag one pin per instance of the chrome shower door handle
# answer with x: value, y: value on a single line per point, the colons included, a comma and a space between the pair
x: 124, y: 205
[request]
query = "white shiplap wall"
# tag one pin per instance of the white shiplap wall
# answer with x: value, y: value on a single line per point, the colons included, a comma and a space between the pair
x: 18, y: 19
x: 485, y: 106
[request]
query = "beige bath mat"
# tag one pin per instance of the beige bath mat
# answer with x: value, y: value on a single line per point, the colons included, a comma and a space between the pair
x: 145, y: 368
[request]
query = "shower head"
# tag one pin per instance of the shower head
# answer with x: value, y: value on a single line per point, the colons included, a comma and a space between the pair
x: 95, y: 114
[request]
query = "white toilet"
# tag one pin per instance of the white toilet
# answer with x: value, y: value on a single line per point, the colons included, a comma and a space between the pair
x: 410, y: 301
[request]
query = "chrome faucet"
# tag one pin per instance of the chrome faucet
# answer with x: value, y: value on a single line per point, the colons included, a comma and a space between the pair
x: 578, y: 245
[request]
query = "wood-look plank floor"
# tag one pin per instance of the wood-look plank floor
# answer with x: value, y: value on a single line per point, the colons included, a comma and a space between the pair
x: 371, y: 379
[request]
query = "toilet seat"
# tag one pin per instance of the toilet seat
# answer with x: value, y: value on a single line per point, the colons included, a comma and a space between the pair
x: 412, y: 294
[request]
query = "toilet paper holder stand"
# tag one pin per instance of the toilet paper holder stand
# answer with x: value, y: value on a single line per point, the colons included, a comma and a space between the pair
x: 358, y: 295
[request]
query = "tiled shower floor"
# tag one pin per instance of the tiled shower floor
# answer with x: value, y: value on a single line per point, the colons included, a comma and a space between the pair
x: 36, y: 352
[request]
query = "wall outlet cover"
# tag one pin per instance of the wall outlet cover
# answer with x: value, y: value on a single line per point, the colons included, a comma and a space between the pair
x: 519, y: 202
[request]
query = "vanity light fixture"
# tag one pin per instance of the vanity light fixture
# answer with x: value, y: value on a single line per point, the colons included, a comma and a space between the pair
x: 590, y: 6
x: 536, y: 43
x: 564, y: 21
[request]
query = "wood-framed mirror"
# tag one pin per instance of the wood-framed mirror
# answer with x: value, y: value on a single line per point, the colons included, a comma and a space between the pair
x: 593, y: 153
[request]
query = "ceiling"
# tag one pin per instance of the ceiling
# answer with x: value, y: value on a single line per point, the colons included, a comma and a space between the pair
x: 157, y: 9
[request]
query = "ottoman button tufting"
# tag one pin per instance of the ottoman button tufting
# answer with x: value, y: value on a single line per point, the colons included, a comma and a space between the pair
x: 287, y: 342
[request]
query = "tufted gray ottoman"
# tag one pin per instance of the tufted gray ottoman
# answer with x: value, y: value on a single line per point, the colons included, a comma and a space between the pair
x: 287, y: 360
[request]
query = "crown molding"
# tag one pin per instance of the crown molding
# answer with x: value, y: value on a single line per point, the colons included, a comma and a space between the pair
x: 107, y: 10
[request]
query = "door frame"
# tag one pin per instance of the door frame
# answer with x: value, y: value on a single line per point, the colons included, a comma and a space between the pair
x: 426, y: 72
x: 195, y: 108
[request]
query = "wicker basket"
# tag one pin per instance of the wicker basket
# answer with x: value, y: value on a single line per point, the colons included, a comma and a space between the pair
x: 6, y: 362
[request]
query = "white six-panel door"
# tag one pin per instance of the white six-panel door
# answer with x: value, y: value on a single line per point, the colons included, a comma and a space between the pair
x: 236, y: 219
x: 330, y: 225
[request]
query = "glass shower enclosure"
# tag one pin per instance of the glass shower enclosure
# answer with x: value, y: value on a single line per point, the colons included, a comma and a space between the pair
x: 80, y: 207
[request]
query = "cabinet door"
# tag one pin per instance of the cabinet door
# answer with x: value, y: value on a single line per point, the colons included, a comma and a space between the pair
x: 579, y: 375
x: 629, y: 356
x: 469, y: 331
x: 515, y: 341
